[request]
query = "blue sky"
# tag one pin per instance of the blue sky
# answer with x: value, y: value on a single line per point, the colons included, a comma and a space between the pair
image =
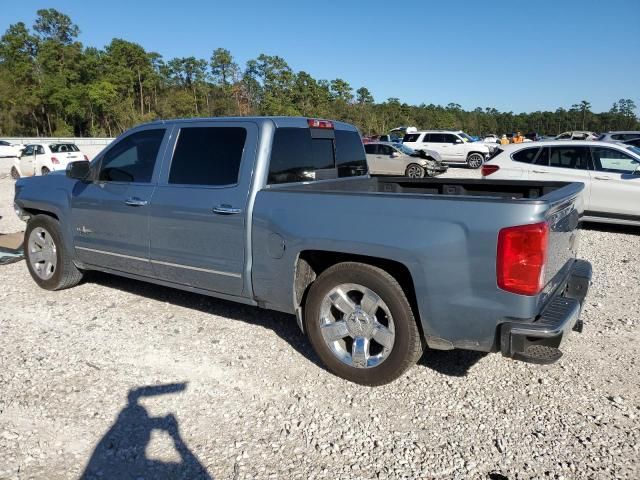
x: 515, y: 56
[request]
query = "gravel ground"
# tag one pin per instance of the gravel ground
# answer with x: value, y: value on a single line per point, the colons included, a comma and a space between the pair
x: 251, y: 401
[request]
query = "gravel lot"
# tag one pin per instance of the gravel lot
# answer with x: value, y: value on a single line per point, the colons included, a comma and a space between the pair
x: 253, y: 402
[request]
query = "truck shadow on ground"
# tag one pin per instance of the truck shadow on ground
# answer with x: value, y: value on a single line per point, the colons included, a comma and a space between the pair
x: 452, y: 363
x: 610, y: 228
x: 122, y: 451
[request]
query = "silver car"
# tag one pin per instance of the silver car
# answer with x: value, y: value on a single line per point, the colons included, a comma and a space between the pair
x: 619, y: 136
x: 384, y: 158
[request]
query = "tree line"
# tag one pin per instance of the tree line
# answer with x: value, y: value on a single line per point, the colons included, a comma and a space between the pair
x: 51, y: 85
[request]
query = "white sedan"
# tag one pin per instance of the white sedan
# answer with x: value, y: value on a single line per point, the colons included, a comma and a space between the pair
x: 42, y: 158
x: 9, y: 150
x: 609, y: 171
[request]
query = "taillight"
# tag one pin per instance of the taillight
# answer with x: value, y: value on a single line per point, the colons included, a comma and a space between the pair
x: 54, y: 160
x: 487, y: 169
x: 86, y: 158
x: 315, y: 123
x: 522, y: 253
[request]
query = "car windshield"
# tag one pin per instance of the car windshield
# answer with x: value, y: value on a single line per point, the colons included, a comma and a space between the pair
x: 466, y: 137
x: 405, y: 149
x: 63, y: 147
x: 634, y: 149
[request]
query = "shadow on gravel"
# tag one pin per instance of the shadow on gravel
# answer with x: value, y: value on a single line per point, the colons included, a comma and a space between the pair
x: 610, y: 228
x: 282, y: 324
x: 454, y: 363
x: 121, y: 453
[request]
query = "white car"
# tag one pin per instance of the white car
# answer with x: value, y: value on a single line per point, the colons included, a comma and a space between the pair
x: 454, y: 146
x: 42, y: 158
x: 398, y: 159
x: 9, y: 150
x: 577, y: 135
x: 609, y: 171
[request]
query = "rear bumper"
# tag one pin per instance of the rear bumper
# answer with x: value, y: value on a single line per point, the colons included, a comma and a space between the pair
x: 537, y: 341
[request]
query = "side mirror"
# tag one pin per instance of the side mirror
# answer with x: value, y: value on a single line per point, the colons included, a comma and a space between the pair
x: 78, y: 170
x: 457, y: 141
x: 395, y: 154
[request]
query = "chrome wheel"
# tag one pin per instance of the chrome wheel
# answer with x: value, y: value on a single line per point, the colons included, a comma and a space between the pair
x: 415, y: 171
x: 475, y: 160
x: 357, y: 326
x: 42, y: 253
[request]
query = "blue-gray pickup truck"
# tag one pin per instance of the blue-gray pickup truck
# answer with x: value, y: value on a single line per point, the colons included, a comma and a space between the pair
x: 280, y: 213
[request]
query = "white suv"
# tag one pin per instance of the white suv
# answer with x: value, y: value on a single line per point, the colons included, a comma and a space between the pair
x: 454, y: 146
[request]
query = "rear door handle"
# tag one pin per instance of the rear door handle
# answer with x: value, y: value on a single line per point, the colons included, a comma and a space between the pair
x: 602, y: 177
x: 225, y: 209
x: 540, y: 171
x: 135, y: 202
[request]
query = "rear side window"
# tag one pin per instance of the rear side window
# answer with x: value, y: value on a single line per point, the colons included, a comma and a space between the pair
x: 350, y: 158
x: 526, y: 155
x: 207, y: 156
x: 411, y: 137
x: 133, y: 158
x: 569, y: 157
x: 297, y: 157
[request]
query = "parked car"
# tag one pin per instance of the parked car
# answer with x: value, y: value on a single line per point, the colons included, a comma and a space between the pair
x: 491, y: 138
x: 454, y: 146
x: 577, y: 135
x: 9, y: 150
x: 385, y: 158
x: 619, y: 136
x: 279, y: 213
x: 634, y: 142
x: 43, y: 158
x: 610, y: 172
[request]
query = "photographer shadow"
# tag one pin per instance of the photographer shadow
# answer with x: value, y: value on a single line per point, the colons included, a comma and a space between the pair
x: 121, y: 453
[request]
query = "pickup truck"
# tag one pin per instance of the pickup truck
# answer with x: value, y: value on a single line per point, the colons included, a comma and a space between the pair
x: 279, y: 213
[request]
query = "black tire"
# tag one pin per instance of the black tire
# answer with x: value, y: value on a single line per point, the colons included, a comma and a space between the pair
x: 14, y: 173
x: 475, y: 160
x: 407, y: 348
x: 66, y: 274
x: 45, y: 171
x: 415, y: 171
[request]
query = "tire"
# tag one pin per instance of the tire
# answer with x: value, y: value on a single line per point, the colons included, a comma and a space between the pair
x: 42, y: 244
x: 392, y: 315
x: 475, y: 160
x: 45, y: 171
x: 14, y: 173
x: 414, y: 171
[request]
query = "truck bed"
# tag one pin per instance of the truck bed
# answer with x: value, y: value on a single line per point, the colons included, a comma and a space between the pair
x: 503, y: 190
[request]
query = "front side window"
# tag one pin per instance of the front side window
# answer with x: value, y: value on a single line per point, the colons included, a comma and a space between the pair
x: 28, y: 150
x: 385, y: 150
x: 133, y: 158
x: 370, y: 148
x: 449, y: 138
x: 610, y: 160
x: 564, y: 136
x: 569, y: 157
x: 526, y: 155
x: 207, y: 156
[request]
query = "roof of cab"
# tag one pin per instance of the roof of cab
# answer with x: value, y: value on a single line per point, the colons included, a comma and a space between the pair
x: 280, y: 122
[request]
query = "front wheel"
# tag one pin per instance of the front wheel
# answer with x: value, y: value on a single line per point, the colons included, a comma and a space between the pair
x: 45, y: 171
x: 414, y: 171
x: 14, y: 173
x: 49, y: 263
x: 475, y: 160
x: 361, y: 325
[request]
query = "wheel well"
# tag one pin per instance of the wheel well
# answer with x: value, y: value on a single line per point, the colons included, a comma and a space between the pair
x: 35, y: 212
x: 479, y: 153
x: 312, y: 263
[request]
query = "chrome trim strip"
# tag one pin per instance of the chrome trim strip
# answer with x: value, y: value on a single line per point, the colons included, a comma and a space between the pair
x: 112, y: 253
x: 198, y: 269
x: 158, y: 262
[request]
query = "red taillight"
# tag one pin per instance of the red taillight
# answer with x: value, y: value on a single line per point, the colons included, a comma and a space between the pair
x: 86, y: 158
x: 522, y: 253
x: 487, y: 169
x: 315, y: 123
x: 55, y: 161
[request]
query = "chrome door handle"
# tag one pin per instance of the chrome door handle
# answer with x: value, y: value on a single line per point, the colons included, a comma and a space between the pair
x: 540, y: 171
x: 135, y: 202
x: 603, y: 177
x: 226, y: 210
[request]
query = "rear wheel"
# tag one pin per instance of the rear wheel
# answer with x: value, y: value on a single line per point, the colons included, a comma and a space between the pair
x: 361, y: 325
x: 414, y: 171
x: 14, y: 173
x: 475, y: 160
x: 45, y: 171
x: 49, y: 264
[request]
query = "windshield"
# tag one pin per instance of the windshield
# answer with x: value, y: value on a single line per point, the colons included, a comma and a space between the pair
x: 63, y: 147
x: 634, y: 149
x: 405, y: 149
x: 466, y: 137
